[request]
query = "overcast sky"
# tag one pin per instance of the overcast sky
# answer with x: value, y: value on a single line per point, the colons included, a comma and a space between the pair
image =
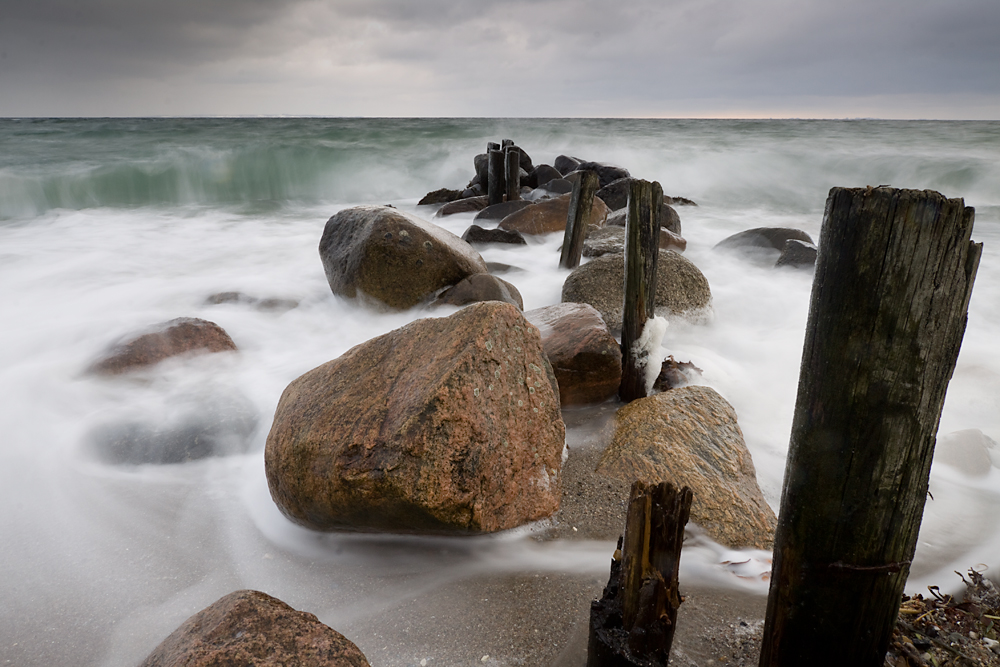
x: 657, y: 58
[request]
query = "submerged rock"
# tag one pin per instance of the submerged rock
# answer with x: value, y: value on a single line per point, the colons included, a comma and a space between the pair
x: 550, y: 216
x: 480, y: 287
x: 191, y: 428
x: 681, y: 289
x: 252, y: 628
x: 689, y: 436
x: 270, y: 304
x: 184, y: 335
x: 585, y: 357
x: 669, y: 219
x: 762, y: 245
x: 392, y: 257
x: 447, y: 425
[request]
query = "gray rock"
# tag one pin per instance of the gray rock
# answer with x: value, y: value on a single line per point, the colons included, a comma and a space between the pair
x: 392, y: 257
x: 565, y: 164
x: 762, y: 245
x: 681, y: 289
x: 797, y: 254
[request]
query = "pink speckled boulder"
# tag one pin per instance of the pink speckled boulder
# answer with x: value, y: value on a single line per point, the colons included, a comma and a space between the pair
x: 445, y: 425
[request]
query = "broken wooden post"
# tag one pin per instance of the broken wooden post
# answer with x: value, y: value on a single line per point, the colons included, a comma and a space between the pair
x: 642, y: 246
x: 633, y: 623
x: 512, y: 173
x: 888, y: 311
x: 495, y: 181
x: 581, y: 202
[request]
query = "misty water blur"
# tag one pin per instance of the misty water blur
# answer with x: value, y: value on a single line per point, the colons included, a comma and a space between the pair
x: 109, y: 226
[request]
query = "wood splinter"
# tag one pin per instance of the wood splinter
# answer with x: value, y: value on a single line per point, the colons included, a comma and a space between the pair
x: 633, y: 623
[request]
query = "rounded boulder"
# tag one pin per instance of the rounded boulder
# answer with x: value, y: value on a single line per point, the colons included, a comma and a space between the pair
x: 392, y: 257
x: 446, y: 425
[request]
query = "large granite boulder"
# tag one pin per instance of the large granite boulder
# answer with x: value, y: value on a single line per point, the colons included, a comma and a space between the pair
x: 480, y: 287
x: 184, y: 335
x: 446, y: 425
x: 585, y: 357
x: 612, y: 240
x: 252, y: 628
x: 550, y: 216
x: 689, y: 436
x: 392, y: 257
x: 681, y: 289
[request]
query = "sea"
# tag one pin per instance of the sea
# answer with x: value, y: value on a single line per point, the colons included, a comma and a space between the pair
x: 109, y: 226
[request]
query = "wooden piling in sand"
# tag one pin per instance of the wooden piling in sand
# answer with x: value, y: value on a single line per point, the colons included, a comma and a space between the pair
x: 581, y: 202
x: 642, y: 246
x: 633, y: 623
x: 888, y: 311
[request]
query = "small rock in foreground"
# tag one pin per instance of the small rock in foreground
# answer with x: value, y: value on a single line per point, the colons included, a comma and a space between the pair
x: 252, y: 628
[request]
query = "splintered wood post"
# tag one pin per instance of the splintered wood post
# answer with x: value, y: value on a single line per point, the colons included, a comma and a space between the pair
x: 888, y: 311
x: 634, y: 621
x: 642, y: 246
x: 581, y: 202
x: 495, y: 182
x: 512, y: 160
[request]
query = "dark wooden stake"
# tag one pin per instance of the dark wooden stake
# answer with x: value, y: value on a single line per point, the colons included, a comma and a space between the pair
x: 889, y: 307
x: 642, y: 246
x: 581, y: 202
x: 633, y: 623
x: 512, y: 183
x: 495, y: 185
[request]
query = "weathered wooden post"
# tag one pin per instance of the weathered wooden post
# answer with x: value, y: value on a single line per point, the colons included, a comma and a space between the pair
x: 581, y: 202
x: 888, y: 311
x: 634, y: 621
x: 642, y: 246
x: 495, y: 179
x: 512, y: 172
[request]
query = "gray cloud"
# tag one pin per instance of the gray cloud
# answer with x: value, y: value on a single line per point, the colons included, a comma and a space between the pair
x: 496, y: 57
